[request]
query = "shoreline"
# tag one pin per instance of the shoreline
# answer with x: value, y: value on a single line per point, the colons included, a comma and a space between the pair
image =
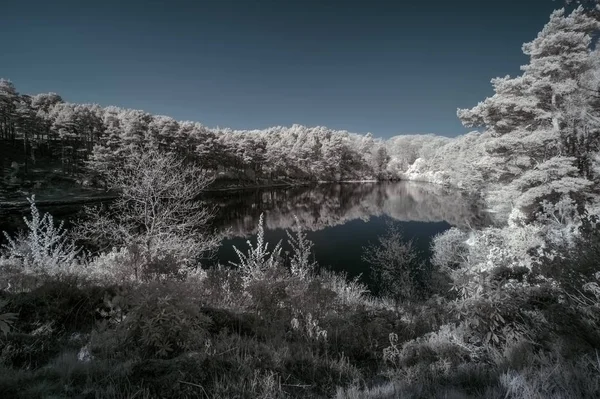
x: 15, y: 205
x: 296, y: 184
x: 8, y: 205
x: 20, y: 205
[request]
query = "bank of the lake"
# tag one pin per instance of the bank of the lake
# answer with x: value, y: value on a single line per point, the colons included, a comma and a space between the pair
x: 340, y: 218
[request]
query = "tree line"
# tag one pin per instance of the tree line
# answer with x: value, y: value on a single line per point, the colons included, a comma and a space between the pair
x: 88, y: 140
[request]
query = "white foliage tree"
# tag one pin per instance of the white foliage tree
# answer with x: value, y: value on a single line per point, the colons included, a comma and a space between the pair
x: 157, y: 214
x: 530, y: 117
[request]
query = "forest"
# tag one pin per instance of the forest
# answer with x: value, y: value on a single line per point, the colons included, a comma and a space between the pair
x: 86, y: 140
x: 121, y: 305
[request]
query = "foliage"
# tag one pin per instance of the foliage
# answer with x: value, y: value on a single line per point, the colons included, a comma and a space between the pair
x: 396, y: 266
x: 292, y: 336
x: 300, y: 263
x: 43, y: 247
x: 258, y: 259
x: 6, y: 319
x: 349, y: 292
x: 450, y: 249
x: 91, y: 141
x: 157, y: 217
x: 523, y: 320
x: 162, y: 322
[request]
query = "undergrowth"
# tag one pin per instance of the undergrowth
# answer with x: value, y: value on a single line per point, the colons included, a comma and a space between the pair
x: 276, y: 328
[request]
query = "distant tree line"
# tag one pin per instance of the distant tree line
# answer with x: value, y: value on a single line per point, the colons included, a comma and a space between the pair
x: 89, y: 140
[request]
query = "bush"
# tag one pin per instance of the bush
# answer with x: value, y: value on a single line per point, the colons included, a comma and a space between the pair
x: 351, y: 293
x: 396, y: 267
x: 66, y: 302
x: 163, y: 320
x: 300, y: 264
x: 449, y: 249
x: 258, y: 260
x: 43, y: 247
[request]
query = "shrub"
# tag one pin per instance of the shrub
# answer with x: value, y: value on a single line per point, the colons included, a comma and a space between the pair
x: 449, y: 344
x: 396, y: 266
x: 300, y: 263
x: 164, y: 320
x: 449, y: 249
x: 551, y: 376
x: 269, y: 293
x: 44, y: 247
x: 224, y: 287
x: 68, y: 303
x: 258, y: 259
x: 348, y: 292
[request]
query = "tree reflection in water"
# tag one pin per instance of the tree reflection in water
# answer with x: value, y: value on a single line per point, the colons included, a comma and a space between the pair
x: 342, y: 218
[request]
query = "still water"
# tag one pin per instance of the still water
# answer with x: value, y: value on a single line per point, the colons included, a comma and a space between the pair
x: 340, y: 219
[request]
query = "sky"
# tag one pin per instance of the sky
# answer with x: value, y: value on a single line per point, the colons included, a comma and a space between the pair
x: 381, y: 66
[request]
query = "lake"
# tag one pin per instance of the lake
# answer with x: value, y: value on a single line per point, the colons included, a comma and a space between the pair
x: 340, y: 219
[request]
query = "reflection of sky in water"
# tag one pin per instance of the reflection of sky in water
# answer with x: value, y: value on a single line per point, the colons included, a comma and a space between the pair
x: 342, y: 219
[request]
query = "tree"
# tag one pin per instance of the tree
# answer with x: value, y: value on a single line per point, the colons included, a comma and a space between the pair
x: 42, y: 105
x: 379, y: 161
x: 395, y: 266
x: 108, y: 151
x: 531, y: 118
x: 26, y: 124
x: 157, y: 216
x: 8, y: 99
x: 91, y: 140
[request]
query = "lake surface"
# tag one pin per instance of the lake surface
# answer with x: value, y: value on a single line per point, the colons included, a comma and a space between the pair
x: 340, y: 219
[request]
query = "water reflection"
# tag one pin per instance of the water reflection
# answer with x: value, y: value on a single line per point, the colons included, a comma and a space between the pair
x: 340, y: 218
x: 329, y: 205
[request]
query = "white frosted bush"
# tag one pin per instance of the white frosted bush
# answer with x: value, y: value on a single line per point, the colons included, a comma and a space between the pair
x: 43, y: 247
x: 112, y: 266
x: 510, y: 246
x: 348, y: 292
x: 258, y: 259
x: 449, y: 340
x: 450, y: 248
x: 300, y: 264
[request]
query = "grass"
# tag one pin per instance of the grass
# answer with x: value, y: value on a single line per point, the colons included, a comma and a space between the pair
x: 230, y: 333
x: 250, y: 348
x: 247, y: 349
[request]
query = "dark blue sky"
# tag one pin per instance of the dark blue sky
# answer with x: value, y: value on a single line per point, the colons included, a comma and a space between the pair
x: 386, y: 67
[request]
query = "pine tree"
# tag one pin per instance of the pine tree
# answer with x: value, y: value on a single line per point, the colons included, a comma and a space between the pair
x: 530, y: 117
